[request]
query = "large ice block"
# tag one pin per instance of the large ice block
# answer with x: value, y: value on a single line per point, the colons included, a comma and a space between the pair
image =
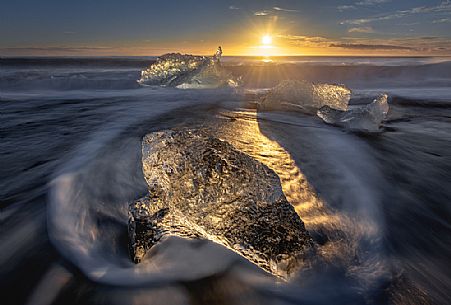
x: 188, y: 72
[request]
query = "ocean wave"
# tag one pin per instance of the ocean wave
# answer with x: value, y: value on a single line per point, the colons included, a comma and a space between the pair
x: 68, y: 80
x: 263, y: 76
x: 120, y: 73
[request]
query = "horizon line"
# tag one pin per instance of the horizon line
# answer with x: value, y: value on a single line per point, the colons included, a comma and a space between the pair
x: 225, y: 56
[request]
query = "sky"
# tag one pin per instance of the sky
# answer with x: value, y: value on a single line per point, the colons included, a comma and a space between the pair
x: 151, y: 27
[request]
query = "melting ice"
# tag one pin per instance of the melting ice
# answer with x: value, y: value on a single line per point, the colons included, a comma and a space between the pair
x: 364, y: 118
x: 188, y: 72
x: 328, y: 101
x: 305, y: 97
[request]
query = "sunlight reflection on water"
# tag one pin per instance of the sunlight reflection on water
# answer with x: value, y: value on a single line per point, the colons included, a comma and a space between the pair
x: 343, y: 232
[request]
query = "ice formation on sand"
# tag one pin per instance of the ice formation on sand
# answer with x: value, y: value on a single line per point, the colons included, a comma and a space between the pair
x: 366, y: 118
x: 202, y: 187
x: 188, y: 71
x: 305, y: 97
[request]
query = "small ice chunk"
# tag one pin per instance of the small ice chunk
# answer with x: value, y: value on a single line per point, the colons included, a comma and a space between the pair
x: 305, y: 97
x: 367, y: 118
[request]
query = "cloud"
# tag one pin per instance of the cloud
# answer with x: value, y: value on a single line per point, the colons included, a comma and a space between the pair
x: 302, y: 38
x: 307, y: 41
x: 57, y: 49
x: 360, y: 46
x: 350, y: 43
x: 444, y: 8
x: 365, y: 29
x: 419, y: 44
x: 345, y: 7
x: 83, y: 50
x: 233, y: 7
x: 276, y: 8
x: 371, y: 2
x: 361, y: 3
x: 262, y: 13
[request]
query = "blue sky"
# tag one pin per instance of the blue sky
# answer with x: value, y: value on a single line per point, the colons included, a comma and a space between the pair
x: 113, y: 27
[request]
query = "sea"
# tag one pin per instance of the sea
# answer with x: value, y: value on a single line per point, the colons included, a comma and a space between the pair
x: 377, y: 205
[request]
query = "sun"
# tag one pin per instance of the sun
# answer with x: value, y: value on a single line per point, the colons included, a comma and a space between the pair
x: 266, y: 40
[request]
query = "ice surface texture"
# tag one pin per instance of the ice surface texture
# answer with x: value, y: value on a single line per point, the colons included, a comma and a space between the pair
x: 305, y: 97
x: 201, y: 187
x: 367, y: 118
x: 187, y: 71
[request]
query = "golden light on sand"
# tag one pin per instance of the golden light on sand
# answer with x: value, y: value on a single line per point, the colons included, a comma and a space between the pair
x: 266, y: 40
